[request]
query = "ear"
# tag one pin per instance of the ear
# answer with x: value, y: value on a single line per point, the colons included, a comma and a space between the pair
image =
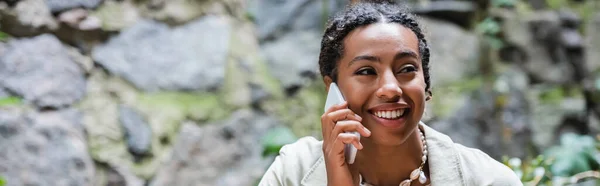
x: 327, y: 80
x: 429, y: 95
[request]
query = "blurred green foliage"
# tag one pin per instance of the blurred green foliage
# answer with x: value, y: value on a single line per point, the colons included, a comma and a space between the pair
x: 277, y: 138
x: 576, y: 158
x: 3, y: 36
x: 2, y: 181
x: 8, y: 101
x: 504, y: 3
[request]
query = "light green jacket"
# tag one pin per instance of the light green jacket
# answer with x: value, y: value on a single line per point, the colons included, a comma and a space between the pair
x: 302, y: 164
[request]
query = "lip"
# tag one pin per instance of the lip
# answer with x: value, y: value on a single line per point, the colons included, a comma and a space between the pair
x: 390, y: 123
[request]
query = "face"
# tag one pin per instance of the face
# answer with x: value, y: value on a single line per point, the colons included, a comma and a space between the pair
x: 381, y: 77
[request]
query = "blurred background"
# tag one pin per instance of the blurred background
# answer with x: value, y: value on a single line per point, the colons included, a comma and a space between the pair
x: 205, y: 92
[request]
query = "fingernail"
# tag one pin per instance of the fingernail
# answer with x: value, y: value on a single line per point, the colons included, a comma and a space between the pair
x: 367, y: 130
x: 360, y: 118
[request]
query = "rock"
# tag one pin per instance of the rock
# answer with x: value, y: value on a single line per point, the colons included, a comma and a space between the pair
x: 302, y: 111
x: 44, y: 148
x: 177, y: 12
x: 543, y: 54
x: 569, y: 19
x: 593, y: 43
x: 136, y: 130
x: 293, y: 59
x: 80, y: 19
x: 452, y: 57
x: 46, y: 76
x: 196, y: 160
x: 458, y: 12
x: 107, y: 175
x: 495, y: 120
x: 248, y: 78
x: 117, y: 15
x: 62, y: 5
x: 3, y: 93
x: 180, y: 55
x: 275, y: 18
x: 27, y: 18
x: 550, y: 110
x: 105, y: 94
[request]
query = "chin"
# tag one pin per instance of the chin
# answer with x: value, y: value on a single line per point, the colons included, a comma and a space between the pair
x: 392, y: 136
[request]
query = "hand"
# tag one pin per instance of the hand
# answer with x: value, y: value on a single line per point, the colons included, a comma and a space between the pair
x: 334, y: 122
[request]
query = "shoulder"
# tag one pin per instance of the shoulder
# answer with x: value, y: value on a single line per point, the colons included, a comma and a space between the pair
x: 462, y: 165
x: 480, y: 169
x: 294, y: 161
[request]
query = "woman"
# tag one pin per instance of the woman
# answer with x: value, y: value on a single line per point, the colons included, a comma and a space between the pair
x: 378, y: 56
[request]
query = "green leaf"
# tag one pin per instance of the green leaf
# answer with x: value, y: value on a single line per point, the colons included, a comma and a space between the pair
x: 574, y: 155
x: 4, y: 36
x: 2, y: 181
x: 10, y: 101
x: 489, y: 27
x: 277, y: 138
x: 504, y: 3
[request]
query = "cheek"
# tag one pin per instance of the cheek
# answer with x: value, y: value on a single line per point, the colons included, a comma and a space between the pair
x: 357, y: 99
x: 415, y: 90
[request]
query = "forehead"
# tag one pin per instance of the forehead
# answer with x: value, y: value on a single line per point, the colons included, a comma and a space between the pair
x: 380, y: 37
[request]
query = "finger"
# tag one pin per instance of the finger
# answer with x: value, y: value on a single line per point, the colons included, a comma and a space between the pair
x: 343, y: 114
x: 328, y: 119
x: 341, y: 140
x: 337, y: 106
x: 350, y: 126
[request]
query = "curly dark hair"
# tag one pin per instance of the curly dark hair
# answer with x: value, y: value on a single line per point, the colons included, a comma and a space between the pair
x: 361, y: 14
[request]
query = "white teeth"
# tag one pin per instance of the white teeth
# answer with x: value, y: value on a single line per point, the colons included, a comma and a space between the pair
x: 393, y: 114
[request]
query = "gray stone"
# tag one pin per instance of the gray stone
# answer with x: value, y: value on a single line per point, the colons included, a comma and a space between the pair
x: 105, y: 132
x: 154, y: 57
x: 201, y: 155
x: 276, y: 17
x: 62, y: 5
x: 293, y: 59
x: 547, y: 117
x: 494, y: 120
x: 136, y: 130
x: 44, y: 148
x: 80, y: 19
x: 27, y: 18
x: 117, y: 15
x: 593, y: 43
x: 458, y: 12
x: 3, y: 93
x: 177, y: 12
x: 543, y: 56
x: 569, y: 19
x: 45, y: 76
x: 452, y: 51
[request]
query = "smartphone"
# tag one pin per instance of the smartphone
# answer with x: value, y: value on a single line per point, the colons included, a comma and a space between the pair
x: 334, y: 97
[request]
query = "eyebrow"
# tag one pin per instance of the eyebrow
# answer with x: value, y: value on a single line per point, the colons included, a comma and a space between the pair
x: 399, y: 55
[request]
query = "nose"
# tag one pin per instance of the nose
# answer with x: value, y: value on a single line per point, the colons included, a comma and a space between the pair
x: 389, y: 88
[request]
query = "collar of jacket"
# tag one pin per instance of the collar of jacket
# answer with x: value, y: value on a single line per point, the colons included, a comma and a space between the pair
x: 444, y: 164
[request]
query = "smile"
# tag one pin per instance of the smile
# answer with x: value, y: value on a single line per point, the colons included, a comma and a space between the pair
x: 390, y: 114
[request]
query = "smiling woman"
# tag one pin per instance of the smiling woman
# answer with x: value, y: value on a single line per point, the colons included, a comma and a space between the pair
x: 378, y: 56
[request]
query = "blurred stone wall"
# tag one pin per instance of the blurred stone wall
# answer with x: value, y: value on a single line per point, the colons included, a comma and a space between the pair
x: 183, y: 92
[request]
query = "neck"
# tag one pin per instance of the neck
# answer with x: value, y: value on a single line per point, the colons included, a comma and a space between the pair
x: 389, y: 164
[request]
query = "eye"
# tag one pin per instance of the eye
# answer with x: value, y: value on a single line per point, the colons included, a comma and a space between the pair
x: 365, y: 71
x: 408, y: 68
